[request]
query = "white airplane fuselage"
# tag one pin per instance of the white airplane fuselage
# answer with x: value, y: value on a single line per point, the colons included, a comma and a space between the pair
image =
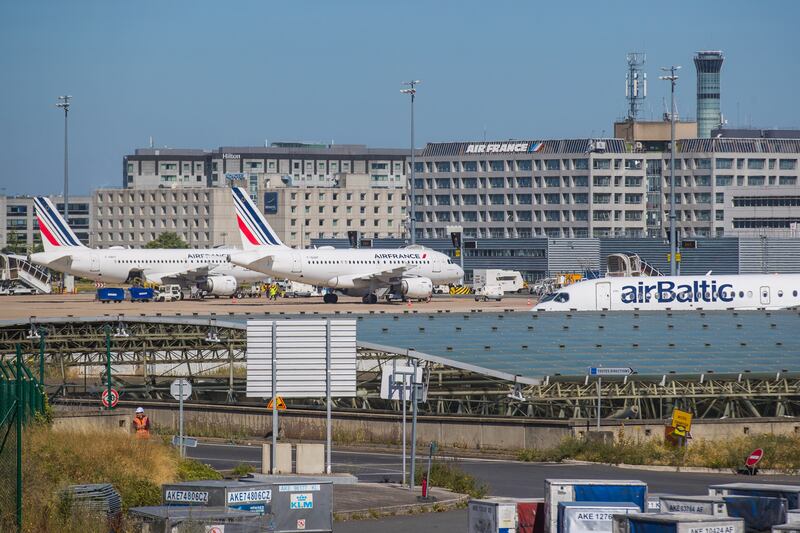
x: 115, y: 265
x: 344, y: 269
x: 711, y: 292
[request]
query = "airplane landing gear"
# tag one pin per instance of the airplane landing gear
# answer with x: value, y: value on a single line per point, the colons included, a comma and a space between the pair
x: 370, y: 298
x: 330, y: 298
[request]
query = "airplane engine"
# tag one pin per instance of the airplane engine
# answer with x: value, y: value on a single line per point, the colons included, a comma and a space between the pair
x: 421, y: 288
x: 219, y: 285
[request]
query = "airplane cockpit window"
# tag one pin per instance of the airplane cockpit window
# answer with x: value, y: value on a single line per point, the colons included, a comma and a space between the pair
x: 547, y: 297
x: 561, y: 297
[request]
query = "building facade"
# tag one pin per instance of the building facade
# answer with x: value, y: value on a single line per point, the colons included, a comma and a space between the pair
x: 296, y: 164
x: 306, y: 192
x: 19, y: 228
x: 579, y: 188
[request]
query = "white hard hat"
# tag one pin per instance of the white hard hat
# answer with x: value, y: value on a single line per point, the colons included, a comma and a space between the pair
x: 139, y: 410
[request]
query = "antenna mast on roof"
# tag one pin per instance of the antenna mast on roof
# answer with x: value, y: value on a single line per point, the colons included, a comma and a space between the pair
x: 635, y: 83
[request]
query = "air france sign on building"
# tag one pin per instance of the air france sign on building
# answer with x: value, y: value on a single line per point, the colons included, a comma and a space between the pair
x: 669, y: 291
x: 500, y: 148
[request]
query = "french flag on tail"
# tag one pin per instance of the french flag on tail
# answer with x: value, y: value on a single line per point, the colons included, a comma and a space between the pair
x: 253, y: 227
x: 56, y: 233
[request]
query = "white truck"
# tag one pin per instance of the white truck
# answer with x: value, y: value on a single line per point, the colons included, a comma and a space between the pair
x: 508, y: 280
x: 169, y: 293
x: 295, y: 289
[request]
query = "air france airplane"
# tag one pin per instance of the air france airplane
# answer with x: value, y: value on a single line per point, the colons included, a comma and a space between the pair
x: 408, y: 273
x: 741, y: 292
x: 209, y: 269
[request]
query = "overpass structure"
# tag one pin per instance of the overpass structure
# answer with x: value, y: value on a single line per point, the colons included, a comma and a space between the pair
x: 148, y: 352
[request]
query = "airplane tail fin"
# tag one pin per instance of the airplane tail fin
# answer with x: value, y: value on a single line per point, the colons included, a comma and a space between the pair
x: 56, y: 233
x: 254, y: 229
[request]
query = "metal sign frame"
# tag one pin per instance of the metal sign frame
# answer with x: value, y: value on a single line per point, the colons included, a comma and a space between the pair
x: 301, y: 359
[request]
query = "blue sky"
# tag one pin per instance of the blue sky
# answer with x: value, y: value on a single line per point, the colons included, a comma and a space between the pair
x: 203, y: 74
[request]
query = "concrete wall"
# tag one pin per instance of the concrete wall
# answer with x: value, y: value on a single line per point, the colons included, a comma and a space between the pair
x: 116, y: 421
x: 468, y: 433
x: 701, y: 429
x: 381, y: 428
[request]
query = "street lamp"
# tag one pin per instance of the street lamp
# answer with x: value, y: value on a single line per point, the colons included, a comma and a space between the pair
x: 63, y: 103
x: 412, y: 90
x: 673, y: 245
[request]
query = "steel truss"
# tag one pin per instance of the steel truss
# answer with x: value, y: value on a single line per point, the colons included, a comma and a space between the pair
x: 148, y: 352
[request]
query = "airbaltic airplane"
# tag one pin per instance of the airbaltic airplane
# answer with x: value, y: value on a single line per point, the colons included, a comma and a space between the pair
x: 409, y: 272
x: 741, y: 292
x: 209, y: 269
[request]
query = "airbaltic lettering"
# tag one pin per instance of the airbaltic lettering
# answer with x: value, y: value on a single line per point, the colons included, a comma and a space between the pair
x: 668, y: 291
x: 497, y: 148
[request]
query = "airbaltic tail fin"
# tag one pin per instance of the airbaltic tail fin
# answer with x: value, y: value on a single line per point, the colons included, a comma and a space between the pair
x: 254, y: 229
x: 56, y: 233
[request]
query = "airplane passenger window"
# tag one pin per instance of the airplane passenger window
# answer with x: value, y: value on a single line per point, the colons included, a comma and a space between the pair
x: 780, y: 294
x: 741, y: 294
x: 749, y: 294
x: 794, y: 293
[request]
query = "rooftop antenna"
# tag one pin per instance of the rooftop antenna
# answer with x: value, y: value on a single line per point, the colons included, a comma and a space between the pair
x: 151, y: 141
x: 635, y: 83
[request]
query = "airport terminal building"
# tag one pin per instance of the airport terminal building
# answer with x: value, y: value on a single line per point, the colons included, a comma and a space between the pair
x: 579, y: 188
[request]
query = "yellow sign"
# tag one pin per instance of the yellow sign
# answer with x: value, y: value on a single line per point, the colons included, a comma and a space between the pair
x: 677, y: 257
x: 681, y: 421
x: 458, y: 252
x: 281, y: 404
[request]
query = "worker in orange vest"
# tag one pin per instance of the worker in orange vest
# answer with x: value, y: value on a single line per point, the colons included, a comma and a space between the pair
x: 141, y: 424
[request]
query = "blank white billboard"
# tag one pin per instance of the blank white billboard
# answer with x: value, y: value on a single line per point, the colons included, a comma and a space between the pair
x: 301, y: 358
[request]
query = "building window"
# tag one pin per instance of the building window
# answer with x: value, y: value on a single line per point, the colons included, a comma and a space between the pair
x: 497, y: 166
x: 787, y: 164
x: 755, y: 164
x: 552, y: 164
x: 755, y: 181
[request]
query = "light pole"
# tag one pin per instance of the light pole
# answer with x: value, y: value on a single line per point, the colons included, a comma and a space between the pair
x: 412, y: 90
x: 673, y: 245
x: 63, y: 103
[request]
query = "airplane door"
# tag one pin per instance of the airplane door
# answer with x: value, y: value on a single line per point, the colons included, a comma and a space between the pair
x: 764, y: 295
x: 603, y: 293
x: 297, y: 264
x: 437, y: 265
x: 94, y: 264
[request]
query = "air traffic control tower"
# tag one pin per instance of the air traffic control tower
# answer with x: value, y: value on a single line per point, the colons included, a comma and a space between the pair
x: 708, y: 65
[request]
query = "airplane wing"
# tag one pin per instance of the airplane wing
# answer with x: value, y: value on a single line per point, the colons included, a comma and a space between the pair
x: 162, y: 277
x: 254, y: 259
x: 389, y: 275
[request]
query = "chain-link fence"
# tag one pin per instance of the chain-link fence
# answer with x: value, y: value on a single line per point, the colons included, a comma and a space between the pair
x: 21, y: 397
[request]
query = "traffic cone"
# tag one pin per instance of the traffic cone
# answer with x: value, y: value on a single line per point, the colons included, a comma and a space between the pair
x: 529, y: 301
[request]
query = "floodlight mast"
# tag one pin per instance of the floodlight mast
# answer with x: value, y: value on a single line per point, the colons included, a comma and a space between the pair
x: 412, y: 90
x: 63, y: 103
x: 672, y: 77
